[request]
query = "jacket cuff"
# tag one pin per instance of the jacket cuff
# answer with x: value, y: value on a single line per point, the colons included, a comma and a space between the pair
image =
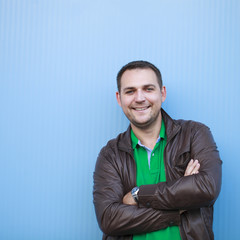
x: 146, y: 195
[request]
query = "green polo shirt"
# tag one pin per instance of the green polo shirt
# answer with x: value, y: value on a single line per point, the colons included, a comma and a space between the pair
x: 152, y: 174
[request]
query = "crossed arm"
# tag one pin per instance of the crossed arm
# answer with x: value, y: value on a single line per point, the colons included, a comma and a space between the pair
x: 117, y: 217
x: 192, y: 168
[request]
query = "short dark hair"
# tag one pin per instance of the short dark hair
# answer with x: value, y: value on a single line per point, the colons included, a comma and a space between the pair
x: 135, y: 65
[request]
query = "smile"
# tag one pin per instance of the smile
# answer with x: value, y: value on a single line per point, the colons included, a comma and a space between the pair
x: 140, y: 108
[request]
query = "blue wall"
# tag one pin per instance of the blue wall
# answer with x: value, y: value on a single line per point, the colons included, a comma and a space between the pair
x: 58, y: 62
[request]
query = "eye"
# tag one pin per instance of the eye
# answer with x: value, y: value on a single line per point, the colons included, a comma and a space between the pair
x: 129, y: 92
x: 149, y: 89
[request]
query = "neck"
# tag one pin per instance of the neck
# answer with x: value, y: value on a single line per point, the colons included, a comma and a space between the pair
x: 148, y: 136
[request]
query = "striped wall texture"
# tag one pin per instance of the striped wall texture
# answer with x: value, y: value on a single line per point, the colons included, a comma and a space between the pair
x: 58, y: 63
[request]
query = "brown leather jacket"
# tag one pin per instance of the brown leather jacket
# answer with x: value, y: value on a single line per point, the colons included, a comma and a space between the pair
x: 159, y: 204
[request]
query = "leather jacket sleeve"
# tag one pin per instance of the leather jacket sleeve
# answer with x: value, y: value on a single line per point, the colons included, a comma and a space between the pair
x: 191, y: 192
x: 116, y: 218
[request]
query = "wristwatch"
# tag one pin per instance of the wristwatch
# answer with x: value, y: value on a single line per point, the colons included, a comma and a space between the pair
x: 134, y: 193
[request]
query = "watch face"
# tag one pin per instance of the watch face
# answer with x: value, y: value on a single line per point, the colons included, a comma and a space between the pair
x: 134, y: 190
x: 134, y: 193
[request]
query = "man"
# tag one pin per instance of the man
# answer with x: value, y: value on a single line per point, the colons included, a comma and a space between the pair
x: 160, y: 178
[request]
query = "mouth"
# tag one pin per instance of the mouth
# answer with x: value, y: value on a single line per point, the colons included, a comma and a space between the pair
x: 141, y: 108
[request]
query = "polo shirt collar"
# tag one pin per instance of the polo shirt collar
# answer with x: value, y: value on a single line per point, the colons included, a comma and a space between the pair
x: 134, y: 139
x: 163, y: 131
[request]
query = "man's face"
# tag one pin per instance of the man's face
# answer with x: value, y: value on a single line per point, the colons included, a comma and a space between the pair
x: 141, y: 97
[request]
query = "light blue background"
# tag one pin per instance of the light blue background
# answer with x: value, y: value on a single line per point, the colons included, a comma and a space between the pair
x: 58, y: 63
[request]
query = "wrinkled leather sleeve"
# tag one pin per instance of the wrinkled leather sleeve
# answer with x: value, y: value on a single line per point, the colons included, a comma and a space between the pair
x: 116, y: 218
x: 191, y: 192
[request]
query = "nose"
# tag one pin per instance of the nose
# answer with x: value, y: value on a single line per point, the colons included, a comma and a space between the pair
x: 139, y: 97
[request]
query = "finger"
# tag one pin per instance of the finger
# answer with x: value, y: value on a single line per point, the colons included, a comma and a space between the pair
x: 187, y: 170
x: 190, y: 167
x: 195, y: 168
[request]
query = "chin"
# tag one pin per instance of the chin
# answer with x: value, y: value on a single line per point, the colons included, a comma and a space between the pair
x: 142, y: 125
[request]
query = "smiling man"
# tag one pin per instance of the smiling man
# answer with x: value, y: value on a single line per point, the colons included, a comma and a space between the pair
x: 160, y: 178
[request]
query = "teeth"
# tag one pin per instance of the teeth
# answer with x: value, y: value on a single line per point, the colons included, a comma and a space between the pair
x: 140, y: 109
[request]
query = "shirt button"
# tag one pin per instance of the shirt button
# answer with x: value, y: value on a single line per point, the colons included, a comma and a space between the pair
x: 153, y: 154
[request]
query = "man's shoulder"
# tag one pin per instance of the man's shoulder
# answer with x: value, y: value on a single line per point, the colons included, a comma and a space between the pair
x: 190, y: 125
x: 112, y: 143
x: 121, y: 141
x: 184, y: 125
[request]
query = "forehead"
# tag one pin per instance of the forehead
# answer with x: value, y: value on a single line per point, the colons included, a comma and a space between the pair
x: 138, y: 77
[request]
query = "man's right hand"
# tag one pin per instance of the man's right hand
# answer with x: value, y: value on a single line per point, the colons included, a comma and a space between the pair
x: 192, y: 168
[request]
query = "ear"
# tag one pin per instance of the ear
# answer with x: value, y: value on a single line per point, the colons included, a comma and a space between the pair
x: 163, y: 93
x: 118, y: 99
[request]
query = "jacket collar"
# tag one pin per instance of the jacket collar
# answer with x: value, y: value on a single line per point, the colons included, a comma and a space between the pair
x: 172, y: 127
